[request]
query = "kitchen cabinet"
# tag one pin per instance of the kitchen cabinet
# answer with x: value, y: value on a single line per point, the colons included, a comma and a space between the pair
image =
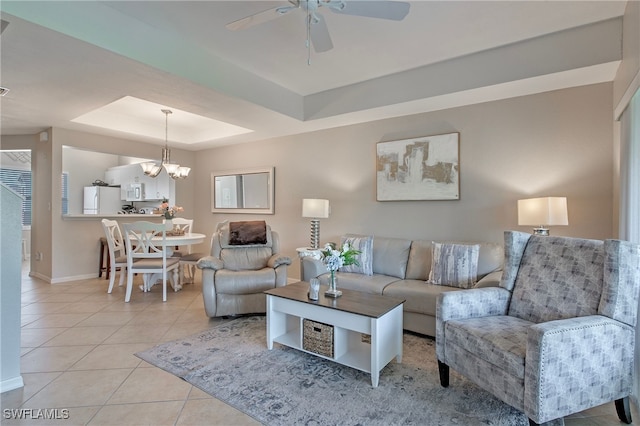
x: 156, y: 188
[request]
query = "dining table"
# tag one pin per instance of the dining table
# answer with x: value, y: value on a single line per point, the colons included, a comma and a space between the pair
x: 171, y: 241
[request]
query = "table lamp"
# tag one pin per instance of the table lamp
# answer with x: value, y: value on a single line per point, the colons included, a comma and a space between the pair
x: 316, y: 209
x: 542, y: 212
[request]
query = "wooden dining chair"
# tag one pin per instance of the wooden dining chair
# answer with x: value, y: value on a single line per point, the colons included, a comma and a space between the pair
x: 188, y: 260
x: 117, y: 251
x: 147, y: 254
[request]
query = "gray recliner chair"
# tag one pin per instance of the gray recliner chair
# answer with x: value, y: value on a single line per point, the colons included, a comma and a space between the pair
x: 244, y: 262
x: 557, y: 337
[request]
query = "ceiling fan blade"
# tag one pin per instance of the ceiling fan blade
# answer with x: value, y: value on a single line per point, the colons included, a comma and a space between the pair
x: 259, y: 18
x: 320, y: 37
x: 394, y: 10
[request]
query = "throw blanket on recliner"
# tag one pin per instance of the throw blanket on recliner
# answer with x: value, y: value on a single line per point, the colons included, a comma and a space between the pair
x: 247, y: 232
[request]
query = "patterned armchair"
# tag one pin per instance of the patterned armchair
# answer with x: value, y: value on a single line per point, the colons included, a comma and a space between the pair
x: 244, y: 262
x: 557, y: 336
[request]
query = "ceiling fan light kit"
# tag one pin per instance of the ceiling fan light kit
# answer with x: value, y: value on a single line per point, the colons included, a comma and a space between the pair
x: 316, y: 27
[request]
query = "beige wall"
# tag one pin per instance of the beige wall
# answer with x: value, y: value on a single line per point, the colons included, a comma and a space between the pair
x: 557, y: 143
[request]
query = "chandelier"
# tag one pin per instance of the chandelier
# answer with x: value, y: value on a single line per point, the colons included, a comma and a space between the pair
x: 174, y: 170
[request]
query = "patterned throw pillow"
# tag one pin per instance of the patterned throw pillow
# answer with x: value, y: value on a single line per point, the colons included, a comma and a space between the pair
x: 454, y: 265
x: 364, y: 244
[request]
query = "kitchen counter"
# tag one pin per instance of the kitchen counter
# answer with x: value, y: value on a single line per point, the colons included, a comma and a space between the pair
x: 111, y: 216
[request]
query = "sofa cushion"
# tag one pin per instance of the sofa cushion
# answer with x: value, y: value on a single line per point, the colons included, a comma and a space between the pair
x: 455, y: 265
x: 420, y: 297
x: 364, y: 244
x: 374, y: 284
x: 490, y: 259
x: 498, y: 340
x: 390, y: 256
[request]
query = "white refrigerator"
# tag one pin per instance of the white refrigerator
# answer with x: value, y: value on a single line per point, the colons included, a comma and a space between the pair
x: 102, y: 200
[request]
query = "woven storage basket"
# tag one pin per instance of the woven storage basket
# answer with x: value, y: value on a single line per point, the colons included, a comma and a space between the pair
x: 317, y: 338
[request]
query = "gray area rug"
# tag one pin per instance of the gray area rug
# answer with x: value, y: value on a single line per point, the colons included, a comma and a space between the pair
x: 288, y: 387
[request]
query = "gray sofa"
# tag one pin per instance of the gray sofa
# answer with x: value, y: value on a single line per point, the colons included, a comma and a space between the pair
x: 401, y: 269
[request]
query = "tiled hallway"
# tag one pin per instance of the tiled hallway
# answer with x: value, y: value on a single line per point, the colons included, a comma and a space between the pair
x: 77, y: 354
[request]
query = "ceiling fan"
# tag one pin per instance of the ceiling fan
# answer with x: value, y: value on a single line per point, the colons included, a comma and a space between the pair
x: 317, y: 31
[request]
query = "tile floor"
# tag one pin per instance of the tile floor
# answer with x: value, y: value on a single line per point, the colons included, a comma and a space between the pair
x: 77, y: 354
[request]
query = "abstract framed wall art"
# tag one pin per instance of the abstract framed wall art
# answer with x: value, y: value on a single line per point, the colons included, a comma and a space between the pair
x: 424, y: 168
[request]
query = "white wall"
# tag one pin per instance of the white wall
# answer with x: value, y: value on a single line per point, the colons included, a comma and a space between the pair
x: 10, y: 289
x: 557, y: 143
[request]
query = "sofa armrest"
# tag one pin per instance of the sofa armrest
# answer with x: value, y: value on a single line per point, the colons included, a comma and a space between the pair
x: 278, y: 260
x: 490, y: 280
x: 210, y: 262
x: 312, y: 268
x: 565, y: 354
x: 472, y: 303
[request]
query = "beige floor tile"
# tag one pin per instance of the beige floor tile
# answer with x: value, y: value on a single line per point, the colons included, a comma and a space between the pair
x: 197, y: 393
x: 138, y: 334
x: 44, y: 308
x: 58, y: 320
x: 111, y: 356
x: 82, y: 336
x: 103, y: 296
x: 154, y: 413
x: 34, y: 337
x: 79, y: 389
x: 108, y: 318
x: 150, y: 317
x: 56, y: 358
x: 212, y: 412
x: 27, y: 319
x: 132, y: 306
x: 193, y: 315
x: 150, y: 385
x: 61, y: 416
x: 31, y: 297
x: 64, y: 297
x: 83, y: 306
x: 33, y: 383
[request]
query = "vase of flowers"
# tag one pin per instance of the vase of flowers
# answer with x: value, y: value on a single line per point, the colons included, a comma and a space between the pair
x: 334, y: 259
x: 169, y: 213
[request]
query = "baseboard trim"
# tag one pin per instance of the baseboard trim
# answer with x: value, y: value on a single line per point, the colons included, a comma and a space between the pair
x: 62, y: 279
x: 11, y: 384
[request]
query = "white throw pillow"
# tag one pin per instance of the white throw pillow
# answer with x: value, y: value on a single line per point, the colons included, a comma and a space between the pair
x: 454, y: 265
x: 364, y: 244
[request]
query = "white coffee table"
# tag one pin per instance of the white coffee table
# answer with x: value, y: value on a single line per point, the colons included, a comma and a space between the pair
x: 353, y: 315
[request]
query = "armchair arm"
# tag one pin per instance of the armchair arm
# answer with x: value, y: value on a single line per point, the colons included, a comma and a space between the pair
x: 472, y: 303
x: 210, y: 262
x: 278, y: 260
x: 576, y: 363
x: 312, y: 268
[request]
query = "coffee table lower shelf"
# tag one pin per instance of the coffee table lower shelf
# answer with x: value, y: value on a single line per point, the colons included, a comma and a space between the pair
x: 365, y: 343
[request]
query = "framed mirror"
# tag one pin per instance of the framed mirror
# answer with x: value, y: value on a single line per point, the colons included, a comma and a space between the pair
x: 243, y: 191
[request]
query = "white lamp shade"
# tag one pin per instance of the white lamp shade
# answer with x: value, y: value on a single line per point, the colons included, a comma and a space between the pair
x: 549, y: 211
x: 315, y: 208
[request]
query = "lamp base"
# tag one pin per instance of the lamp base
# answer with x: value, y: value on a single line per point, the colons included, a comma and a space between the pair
x: 315, y: 234
x: 541, y: 231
